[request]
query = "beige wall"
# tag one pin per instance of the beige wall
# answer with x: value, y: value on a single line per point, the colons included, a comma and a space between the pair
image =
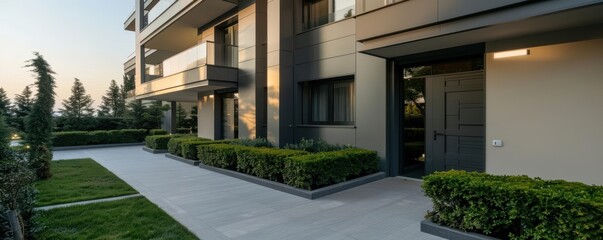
x: 548, y: 109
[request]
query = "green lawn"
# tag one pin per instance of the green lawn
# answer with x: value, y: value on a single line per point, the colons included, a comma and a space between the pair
x: 79, y: 180
x: 133, y: 218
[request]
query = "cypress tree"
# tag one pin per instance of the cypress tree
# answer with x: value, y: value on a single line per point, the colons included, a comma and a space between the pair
x: 39, y: 122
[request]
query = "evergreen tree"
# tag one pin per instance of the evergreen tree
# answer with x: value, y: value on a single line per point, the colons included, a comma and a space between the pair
x: 136, y: 115
x: 180, y: 117
x: 79, y: 103
x: 155, y: 112
x: 113, y: 103
x: 5, y: 108
x: 128, y: 83
x: 4, y: 140
x: 194, y: 120
x: 39, y: 122
x: 22, y: 108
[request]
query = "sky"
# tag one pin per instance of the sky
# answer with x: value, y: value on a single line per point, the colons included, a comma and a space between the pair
x: 81, y: 39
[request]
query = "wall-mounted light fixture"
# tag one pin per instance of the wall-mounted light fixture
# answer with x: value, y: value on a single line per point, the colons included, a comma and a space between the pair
x: 211, y: 96
x: 512, y: 53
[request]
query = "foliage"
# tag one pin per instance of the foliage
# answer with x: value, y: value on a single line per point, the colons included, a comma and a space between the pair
x: 158, y: 132
x: 89, y: 123
x: 189, y: 148
x: 5, y: 107
x: 258, y: 142
x: 4, y: 140
x: 39, y: 122
x: 173, y: 145
x: 128, y: 83
x: 140, y: 116
x: 183, y: 130
x: 193, y: 120
x: 267, y: 163
x: 180, y: 116
x: 132, y: 218
x: 16, y: 190
x: 76, y: 180
x: 113, y: 103
x: 314, y: 146
x: 79, y: 104
x: 23, y: 105
x: 78, y: 138
x: 155, y: 112
x: 219, y: 155
x: 516, y: 207
x: 322, y: 169
x: 157, y: 141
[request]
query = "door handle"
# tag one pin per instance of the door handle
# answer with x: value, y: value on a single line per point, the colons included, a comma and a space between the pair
x: 436, y: 134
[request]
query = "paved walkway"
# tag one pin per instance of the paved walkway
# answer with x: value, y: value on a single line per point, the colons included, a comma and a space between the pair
x: 214, y: 206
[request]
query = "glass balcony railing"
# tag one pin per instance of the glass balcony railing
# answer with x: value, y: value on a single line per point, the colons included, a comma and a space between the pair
x: 368, y: 5
x: 201, y: 54
x: 156, y: 11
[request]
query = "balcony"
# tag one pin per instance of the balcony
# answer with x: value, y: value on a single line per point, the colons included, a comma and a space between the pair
x: 152, y: 56
x: 204, y: 67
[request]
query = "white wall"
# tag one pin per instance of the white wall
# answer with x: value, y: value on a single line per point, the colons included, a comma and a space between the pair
x: 548, y: 109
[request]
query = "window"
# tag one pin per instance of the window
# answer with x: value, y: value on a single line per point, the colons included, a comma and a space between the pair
x: 330, y: 102
x: 319, y: 12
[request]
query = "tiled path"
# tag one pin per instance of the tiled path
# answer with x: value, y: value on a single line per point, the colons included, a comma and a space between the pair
x: 214, y: 206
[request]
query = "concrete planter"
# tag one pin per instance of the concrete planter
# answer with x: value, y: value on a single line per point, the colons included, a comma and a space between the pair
x: 181, y: 159
x: 309, y: 194
x: 154, y: 151
x: 96, y: 146
x: 450, y: 233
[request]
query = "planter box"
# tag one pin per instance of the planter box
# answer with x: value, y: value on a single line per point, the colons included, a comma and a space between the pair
x: 309, y: 194
x: 181, y: 159
x: 451, y: 233
x: 154, y: 151
x: 96, y: 146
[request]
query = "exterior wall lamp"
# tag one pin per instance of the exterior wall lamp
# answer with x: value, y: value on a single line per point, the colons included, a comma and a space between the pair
x: 512, y: 53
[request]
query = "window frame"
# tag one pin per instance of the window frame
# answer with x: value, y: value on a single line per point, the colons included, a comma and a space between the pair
x: 330, y: 101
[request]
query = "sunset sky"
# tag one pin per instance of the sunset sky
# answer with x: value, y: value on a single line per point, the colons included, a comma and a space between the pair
x: 79, y: 39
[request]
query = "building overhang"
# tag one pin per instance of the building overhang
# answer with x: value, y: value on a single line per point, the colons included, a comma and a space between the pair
x: 176, y: 29
x: 129, y: 24
x: 152, y: 56
x: 486, y: 28
x: 185, y: 86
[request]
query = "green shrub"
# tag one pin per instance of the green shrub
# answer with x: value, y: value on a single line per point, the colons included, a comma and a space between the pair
x: 258, y: 142
x: 174, y: 143
x: 189, y: 148
x: 158, y: 132
x: 89, y: 123
x: 183, y: 130
x: 314, y: 146
x: 515, y: 207
x: 265, y: 163
x: 80, y: 138
x: 326, y: 168
x: 219, y: 155
x: 157, y: 141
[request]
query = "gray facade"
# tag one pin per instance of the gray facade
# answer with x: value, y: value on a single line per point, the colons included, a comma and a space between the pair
x: 357, y: 51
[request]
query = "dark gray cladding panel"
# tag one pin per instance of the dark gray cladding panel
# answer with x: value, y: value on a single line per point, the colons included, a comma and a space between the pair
x: 336, y: 134
x: 324, y: 50
x: 326, y: 33
x: 326, y: 68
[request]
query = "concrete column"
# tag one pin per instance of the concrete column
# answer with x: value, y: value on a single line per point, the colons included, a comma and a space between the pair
x: 280, y: 32
x: 208, y: 116
x: 139, y: 48
x: 172, y: 116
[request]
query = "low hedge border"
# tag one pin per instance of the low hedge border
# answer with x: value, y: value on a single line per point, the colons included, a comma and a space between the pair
x: 160, y: 141
x: 515, y: 207
x: 189, y: 148
x: 80, y: 138
x: 296, y: 168
x: 173, y: 144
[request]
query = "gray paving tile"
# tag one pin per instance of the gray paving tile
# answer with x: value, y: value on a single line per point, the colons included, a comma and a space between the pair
x: 215, y: 206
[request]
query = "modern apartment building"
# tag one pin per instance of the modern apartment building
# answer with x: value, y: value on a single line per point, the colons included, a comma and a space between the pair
x: 506, y: 86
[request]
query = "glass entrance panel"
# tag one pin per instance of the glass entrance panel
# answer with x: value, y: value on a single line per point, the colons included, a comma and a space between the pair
x: 230, y: 116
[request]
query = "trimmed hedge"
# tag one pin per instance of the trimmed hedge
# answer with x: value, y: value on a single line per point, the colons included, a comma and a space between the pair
x: 515, y: 207
x: 89, y: 124
x: 183, y: 130
x: 219, y: 155
x: 189, y: 148
x: 326, y: 168
x: 79, y: 138
x: 157, y: 141
x: 158, y: 132
x: 173, y: 145
x: 265, y: 163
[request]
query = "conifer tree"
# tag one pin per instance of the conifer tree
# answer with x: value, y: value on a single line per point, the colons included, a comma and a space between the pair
x: 180, y: 116
x: 39, y: 122
x: 79, y: 103
x: 113, y: 103
x: 5, y: 108
x: 22, y: 108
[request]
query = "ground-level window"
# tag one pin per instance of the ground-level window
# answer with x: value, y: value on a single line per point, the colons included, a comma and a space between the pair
x: 330, y: 102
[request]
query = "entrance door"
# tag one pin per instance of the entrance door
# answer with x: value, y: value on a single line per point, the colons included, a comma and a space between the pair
x: 230, y: 118
x: 455, y: 122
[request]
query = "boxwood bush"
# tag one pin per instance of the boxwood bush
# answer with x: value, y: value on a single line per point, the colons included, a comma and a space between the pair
x: 158, y: 132
x: 515, y: 207
x: 314, y: 146
x: 79, y: 138
x: 157, y: 141
x: 189, y: 148
x: 265, y: 163
x: 219, y: 155
x: 326, y: 168
x: 174, y: 143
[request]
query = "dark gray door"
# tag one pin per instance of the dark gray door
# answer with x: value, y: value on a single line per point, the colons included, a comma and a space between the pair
x: 455, y: 122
